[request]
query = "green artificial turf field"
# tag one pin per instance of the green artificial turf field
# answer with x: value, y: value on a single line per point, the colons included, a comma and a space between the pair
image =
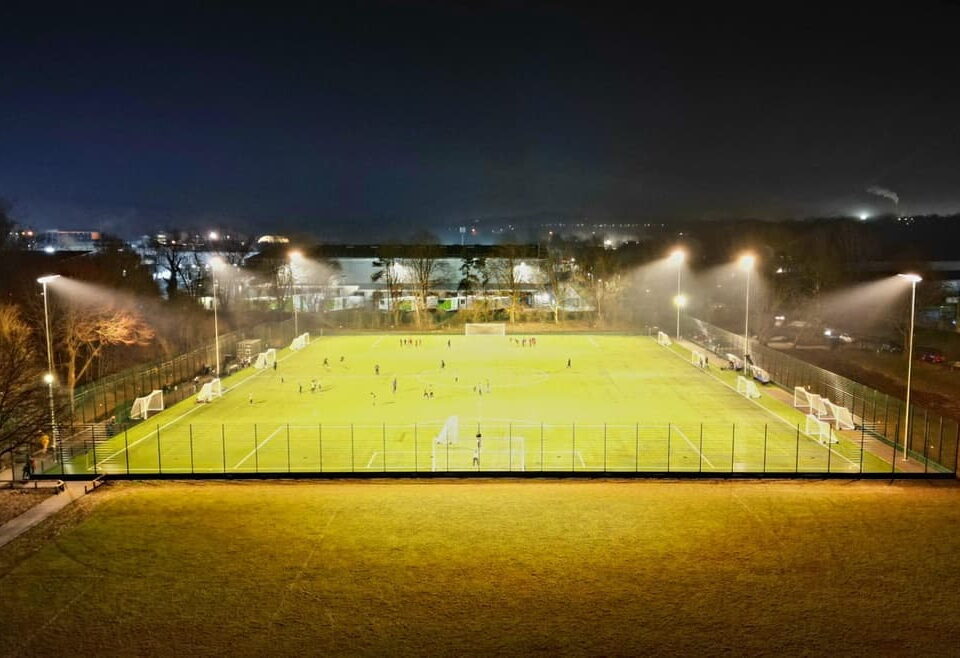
x: 624, y: 403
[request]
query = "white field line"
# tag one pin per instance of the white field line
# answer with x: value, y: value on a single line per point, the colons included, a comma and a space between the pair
x: 583, y: 464
x: 376, y: 342
x: 186, y: 413
x: 257, y: 448
x: 695, y: 448
x: 775, y: 415
x: 372, y: 457
x: 593, y: 342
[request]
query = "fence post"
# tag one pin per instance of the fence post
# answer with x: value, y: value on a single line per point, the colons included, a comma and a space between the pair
x: 223, y: 446
x: 256, y: 451
x: 668, y: 446
x: 416, y: 450
x: 733, y: 446
x: 896, y: 439
x: 159, y: 462
x: 541, y: 446
x: 926, y: 437
x: 288, y: 447
x: 352, y: 460
x: 830, y: 450
x: 604, y: 447
x: 863, y: 433
x: 93, y: 440
x: 956, y: 449
x: 384, y: 441
x: 126, y: 449
x: 940, y: 443
x: 765, y: 447
x: 796, y: 466
x: 509, y: 446
x: 573, y: 448
x: 636, y: 451
x: 190, y: 428
x: 700, y: 467
x: 320, y: 444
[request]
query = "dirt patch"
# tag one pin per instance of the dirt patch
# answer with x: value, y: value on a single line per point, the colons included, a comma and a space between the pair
x: 15, y: 502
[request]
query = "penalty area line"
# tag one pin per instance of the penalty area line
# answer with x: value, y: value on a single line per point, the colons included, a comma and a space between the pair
x: 257, y: 448
x: 695, y: 449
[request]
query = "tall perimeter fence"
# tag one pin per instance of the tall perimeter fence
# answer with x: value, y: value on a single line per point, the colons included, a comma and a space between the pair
x: 932, y: 439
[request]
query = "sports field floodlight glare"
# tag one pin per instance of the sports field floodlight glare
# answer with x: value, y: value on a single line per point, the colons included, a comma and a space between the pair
x: 213, y: 235
x: 678, y: 256
x: 294, y: 256
x: 49, y: 377
x: 746, y: 262
x: 914, y: 279
x: 680, y: 301
x: 864, y: 217
x: 215, y: 263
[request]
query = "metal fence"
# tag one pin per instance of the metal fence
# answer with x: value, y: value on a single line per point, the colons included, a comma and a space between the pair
x: 933, y: 438
x: 278, y: 448
x: 112, y: 395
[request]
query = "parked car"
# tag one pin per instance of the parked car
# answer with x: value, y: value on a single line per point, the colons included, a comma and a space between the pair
x: 930, y: 355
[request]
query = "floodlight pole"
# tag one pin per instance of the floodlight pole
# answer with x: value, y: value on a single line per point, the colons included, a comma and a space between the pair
x: 679, y: 270
x: 293, y: 286
x: 746, y: 324
x: 906, y: 420
x: 216, y: 324
x: 50, y: 375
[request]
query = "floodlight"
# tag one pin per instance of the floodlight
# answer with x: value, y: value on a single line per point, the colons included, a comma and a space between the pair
x: 216, y: 261
x: 864, y: 217
x: 49, y: 250
x: 680, y: 301
x: 747, y: 261
x: 296, y: 254
x: 48, y: 278
x: 48, y: 379
x: 213, y: 235
x: 912, y: 278
x: 678, y: 256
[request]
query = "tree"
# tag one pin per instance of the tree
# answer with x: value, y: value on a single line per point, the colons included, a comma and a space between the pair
x: 599, y: 274
x: 474, y: 275
x: 505, y: 268
x: 426, y: 271
x: 172, y: 256
x: 84, y: 330
x: 6, y: 224
x: 24, y: 405
x: 390, y: 272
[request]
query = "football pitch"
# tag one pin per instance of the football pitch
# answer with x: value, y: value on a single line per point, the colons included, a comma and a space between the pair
x: 571, y: 402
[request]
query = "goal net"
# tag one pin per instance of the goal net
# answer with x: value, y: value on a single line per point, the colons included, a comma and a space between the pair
x: 801, y: 398
x: 819, y: 408
x: 747, y: 387
x: 300, y: 342
x: 210, y: 390
x: 266, y: 359
x: 818, y: 429
x: 664, y: 339
x: 842, y: 417
x: 143, y: 407
x: 485, y: 329
x: 698, y: 359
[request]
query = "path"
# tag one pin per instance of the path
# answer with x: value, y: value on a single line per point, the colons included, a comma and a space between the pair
x: 19, y: 525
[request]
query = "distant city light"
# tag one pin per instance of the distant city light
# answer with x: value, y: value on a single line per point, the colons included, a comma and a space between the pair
x: 864, y: 217
x: 213, y: 235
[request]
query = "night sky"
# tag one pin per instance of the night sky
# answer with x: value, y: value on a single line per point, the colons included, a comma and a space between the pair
x: 396, y: 113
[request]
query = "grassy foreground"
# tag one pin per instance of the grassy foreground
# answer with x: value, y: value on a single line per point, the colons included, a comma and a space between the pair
x: 489, y: 567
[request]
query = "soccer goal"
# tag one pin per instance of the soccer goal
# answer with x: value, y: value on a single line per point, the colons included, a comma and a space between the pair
x: 485, y: 329
x: 266, y: 359
x: 300, y: 342
x: 747, y: 388
x: 819, y: 408
x: 698, y: 359
x: 819, y: 430
x: 801, y: 398
x: 212, y: 389
x: 143, y: 407
x: 448, y: 435
x: 842, y: 417
x: 664, y: 339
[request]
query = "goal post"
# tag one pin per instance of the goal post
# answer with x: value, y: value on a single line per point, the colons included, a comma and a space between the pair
x: 820, y: 430
x: 698, y: 358
x: 842, y: 417
x: 485, y: 329
x: 143, y: 407
x: 212, y: 389
x: 300, y: 341
x: 801, y: 398
x: 664, y: 339
x: 266, y: 359
x: 747, y: 387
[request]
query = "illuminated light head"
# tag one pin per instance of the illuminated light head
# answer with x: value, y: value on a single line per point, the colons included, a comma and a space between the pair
x: 746, y: 262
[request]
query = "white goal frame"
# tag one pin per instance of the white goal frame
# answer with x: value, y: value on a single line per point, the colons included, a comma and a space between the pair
x: 842, y: 418
x: 300, y: 341
x: 266, y: 359
x: 801, y: 398
x: 819, y: 408
x: 698, y: 358
x: 212, y: 389
x: 820, y: 430
x: 142, y: 407
x: 664, y: 339
x: 485, y: 329
x: 747, y: 387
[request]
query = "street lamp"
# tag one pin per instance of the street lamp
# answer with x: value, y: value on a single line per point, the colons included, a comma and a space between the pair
x: 746, y: 264
x: 677, y: 256
x: 294, y: 256
x: 49, y: 378
x: 914, y: 279
x: 216, y: 262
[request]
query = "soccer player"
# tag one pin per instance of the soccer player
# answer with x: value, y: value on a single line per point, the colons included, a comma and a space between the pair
x: 342, y: 358
x: 569, y: 362
x: 374, y: 397
x: 448, y: 342
x: 326, y: 363
x: 300, y: 388
x: 443, y: 364
x: 250, y: 398
x: 479, y: 439
x: 394, y: 385
x: 376, y: 369
x: 476, y: 459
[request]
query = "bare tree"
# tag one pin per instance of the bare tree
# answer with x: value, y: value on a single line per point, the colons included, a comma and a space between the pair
x: 426, y: 271
x: 599, y: 274
x: 173, y: 257
x: 84, y: 331
x: 24, y: 407
x: 505, y: 270
x: 390, y: 272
